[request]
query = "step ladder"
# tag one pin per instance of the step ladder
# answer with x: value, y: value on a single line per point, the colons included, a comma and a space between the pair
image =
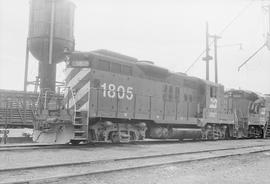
x: 80, y: 124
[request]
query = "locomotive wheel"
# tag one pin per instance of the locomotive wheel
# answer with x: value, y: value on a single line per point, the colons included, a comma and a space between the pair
x: 224, y: 133
x: 132, y: 136
x: 218, y: 133
x: 115, y: 137
x: 208, y: 134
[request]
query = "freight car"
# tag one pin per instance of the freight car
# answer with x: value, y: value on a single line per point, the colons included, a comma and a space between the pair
x: 13, y: 113
x: 111, y: 97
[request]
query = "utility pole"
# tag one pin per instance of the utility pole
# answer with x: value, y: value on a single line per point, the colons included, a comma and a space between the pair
x: 207, y: 57
x: 268, y: 33
x: 25, y: 79
x: 215, y: 37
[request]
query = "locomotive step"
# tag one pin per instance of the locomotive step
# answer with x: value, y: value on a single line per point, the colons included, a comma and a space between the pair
x: 79, y: 139
x: 79, y: 131
x: 78, y: 124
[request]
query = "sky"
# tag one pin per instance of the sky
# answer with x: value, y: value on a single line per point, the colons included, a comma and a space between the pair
x: 171, y: 33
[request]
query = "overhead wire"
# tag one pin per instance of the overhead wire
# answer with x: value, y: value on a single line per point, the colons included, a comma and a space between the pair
x: 256, y: 52
x: 221, y: 32
x: 259, y: 49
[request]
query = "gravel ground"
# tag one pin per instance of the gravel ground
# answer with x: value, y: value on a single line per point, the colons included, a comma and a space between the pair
x: 21, y: 158
x: 245, y: 169
x: 100, y: 167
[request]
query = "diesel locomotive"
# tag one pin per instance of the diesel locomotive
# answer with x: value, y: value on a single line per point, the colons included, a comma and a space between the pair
x: 110, y: 97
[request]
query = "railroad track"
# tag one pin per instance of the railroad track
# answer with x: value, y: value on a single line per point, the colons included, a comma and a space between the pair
x: 68, y: 146
x: 58, y: 172
x: 36, y: 146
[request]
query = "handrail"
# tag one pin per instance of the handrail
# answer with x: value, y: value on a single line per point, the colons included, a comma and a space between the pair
x: 45, y: 100
x: 37, y: 102
x: 46, y: 97
x: 74, y: 102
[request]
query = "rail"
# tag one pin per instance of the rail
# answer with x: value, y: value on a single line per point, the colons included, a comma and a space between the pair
x: 35, y: 173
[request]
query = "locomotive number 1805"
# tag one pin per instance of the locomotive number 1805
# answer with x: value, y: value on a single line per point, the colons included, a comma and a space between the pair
x: 111, y: 90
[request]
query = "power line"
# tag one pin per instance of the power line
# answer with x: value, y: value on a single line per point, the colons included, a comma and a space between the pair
x: 265, y: 44
x: 256, y: 52
x: 236, y: 17
x: 195, y: 61
x: 221, y: 32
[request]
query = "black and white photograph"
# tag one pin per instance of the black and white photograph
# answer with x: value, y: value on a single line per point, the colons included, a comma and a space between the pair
x: 134, y: 91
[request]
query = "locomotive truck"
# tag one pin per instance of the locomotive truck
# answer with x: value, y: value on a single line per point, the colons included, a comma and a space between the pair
x: 110, y: 97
